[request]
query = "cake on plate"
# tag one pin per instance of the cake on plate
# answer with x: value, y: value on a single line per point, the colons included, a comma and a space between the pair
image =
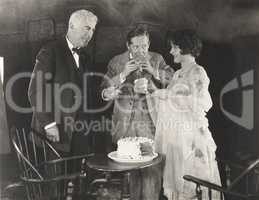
x: 135, y: 147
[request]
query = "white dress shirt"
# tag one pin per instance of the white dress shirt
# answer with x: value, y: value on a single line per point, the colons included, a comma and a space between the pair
x: 75, y: 55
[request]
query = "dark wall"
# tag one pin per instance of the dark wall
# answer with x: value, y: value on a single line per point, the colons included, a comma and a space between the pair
x: 226, y: 62
x: 214, y: 20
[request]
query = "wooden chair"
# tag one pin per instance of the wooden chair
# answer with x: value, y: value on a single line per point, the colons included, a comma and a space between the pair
x: 44, y: 174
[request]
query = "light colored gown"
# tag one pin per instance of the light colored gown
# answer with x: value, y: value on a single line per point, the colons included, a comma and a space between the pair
x: 181, y: 128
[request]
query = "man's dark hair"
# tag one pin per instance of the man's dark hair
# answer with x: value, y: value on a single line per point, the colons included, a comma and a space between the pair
x: 139, y: 30
x: 187, y: 40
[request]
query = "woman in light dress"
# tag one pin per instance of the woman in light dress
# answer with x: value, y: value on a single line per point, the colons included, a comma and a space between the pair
x: 182, y: 133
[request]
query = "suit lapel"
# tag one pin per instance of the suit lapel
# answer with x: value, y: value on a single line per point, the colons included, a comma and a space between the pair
x: 69, y: 60
x: 86, y: 61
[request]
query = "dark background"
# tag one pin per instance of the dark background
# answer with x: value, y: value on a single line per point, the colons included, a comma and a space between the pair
x: 229, y: 30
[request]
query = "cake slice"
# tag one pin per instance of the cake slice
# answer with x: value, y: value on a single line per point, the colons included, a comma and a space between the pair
x: 135, y: 147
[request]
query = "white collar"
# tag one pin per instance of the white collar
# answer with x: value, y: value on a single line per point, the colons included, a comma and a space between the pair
x: 70, y: 45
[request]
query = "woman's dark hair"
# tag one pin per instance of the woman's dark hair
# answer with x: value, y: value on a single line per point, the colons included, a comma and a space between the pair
x: 187, y: 40
x: 139, y: 30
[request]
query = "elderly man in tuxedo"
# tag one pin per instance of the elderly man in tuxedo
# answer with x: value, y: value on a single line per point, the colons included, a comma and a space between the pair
x: 59, y: 88
x: 130, y: 78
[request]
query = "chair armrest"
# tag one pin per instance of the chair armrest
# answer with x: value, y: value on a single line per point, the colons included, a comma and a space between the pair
x: 213, y: 186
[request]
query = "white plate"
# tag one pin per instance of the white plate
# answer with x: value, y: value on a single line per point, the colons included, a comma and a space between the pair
x: 114, y: 156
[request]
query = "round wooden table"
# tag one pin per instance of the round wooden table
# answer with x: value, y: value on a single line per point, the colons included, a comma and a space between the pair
x: 105, y: 164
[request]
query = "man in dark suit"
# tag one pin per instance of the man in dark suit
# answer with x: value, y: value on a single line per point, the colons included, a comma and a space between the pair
x: 59, y: 91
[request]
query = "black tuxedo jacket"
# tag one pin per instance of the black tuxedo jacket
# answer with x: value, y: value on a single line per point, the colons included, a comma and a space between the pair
x: 50, y: 93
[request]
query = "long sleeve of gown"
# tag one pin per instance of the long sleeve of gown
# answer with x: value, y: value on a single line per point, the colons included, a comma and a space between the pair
x: 195, y: 95
x: 201, y: 89
x: 201, y: 105
x: 195, y: 99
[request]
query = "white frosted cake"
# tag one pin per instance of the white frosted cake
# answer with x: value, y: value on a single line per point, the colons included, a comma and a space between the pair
x: 130, y: 147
